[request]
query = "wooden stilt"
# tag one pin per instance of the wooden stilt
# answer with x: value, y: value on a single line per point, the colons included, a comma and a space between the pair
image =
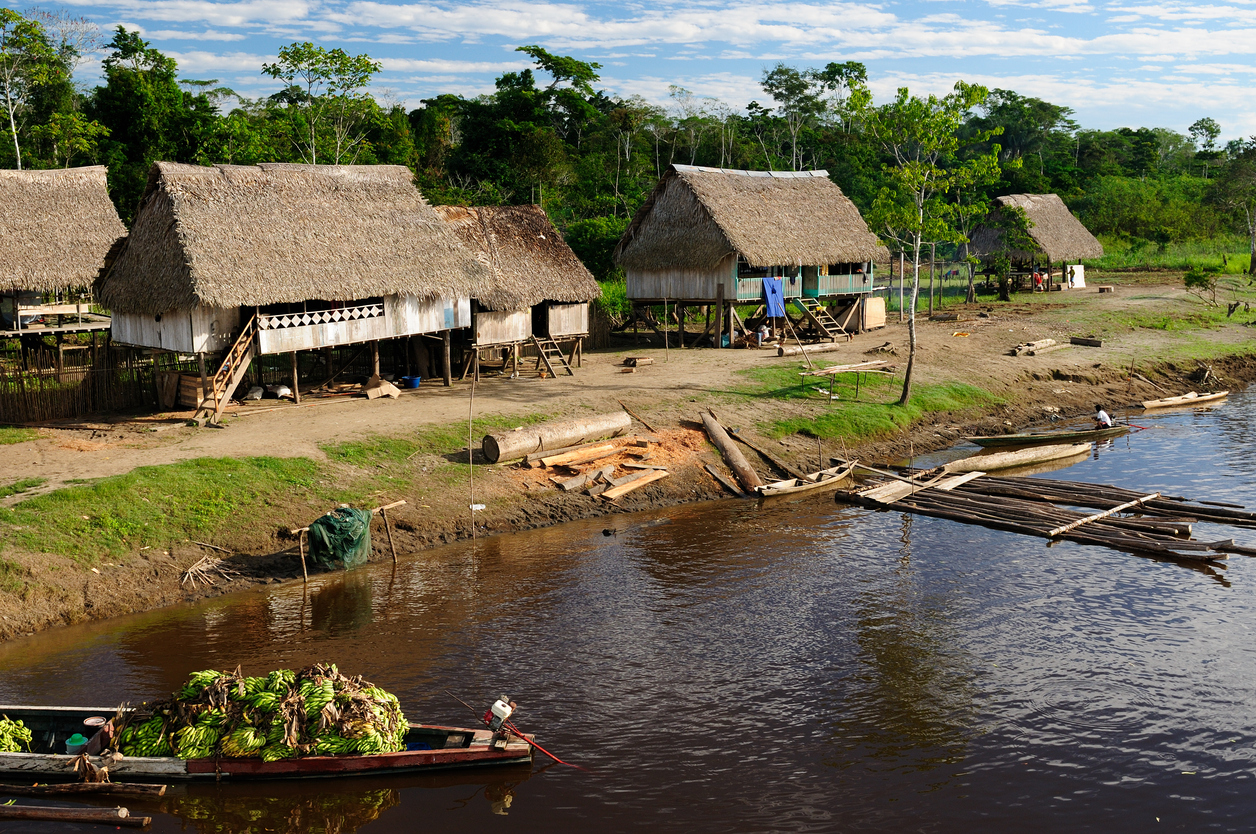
x: 449, y: 374
x: 719, y: 316
x: 375, y: 358
x: 296, y: 382
x: 680, y: 317
x: 200, y: 360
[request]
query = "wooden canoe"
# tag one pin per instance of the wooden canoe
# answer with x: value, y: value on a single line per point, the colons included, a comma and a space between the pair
x: 429, y: 747
x: 830, y: 478
x: 1186, y: 399
x: 1017, y: 457
x: 1043, y: 439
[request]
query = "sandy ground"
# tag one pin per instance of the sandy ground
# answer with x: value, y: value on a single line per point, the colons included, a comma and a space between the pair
x: 668, y: 394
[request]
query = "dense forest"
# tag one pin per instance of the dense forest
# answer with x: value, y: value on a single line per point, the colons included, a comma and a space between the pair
x: 550, y: 135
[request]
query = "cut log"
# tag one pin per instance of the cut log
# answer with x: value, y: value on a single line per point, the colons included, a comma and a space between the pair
x: 1084, y: 342
x: 723, y: 481
x: 1025, y: 347
x: 643, y: 466
x: 512, y: 445
x: 572, y: 484
x: 779, y: 464
x: 798, y: 351
x: 534, y: 459
x: 736, y: 460
x: 582, y: 456
x: 638, y: 361
x: 49, y: 813
x: 632, y: 476
x: 1048, y: 349
x: 618, y: 492
x: 129, y: 789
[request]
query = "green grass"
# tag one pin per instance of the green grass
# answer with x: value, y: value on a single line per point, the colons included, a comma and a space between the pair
x: 21, y: 486
x: 153, y: 505
x: 1230, y: 253
x: 13, y: 434
x: 12, y: 577
x: 876, y: 412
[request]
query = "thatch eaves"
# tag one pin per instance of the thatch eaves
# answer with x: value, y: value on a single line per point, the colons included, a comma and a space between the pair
x: 527, y: 256
x: 696, y: 216
x: 56, y: 227
x: 232, y: 236
x: 1059, y: 235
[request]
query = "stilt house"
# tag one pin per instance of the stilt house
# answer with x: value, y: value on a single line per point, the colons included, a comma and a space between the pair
x: 1059, y: 235
x: 56, y: 229
x: 540, y: 290
x: 712, y: 236
x: 228, y: 262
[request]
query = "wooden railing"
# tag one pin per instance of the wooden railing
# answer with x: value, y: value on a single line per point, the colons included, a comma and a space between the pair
x: 284, y: 320
x: 751, y: 289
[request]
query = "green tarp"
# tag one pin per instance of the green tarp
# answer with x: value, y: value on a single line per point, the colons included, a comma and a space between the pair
x: 341, y: 539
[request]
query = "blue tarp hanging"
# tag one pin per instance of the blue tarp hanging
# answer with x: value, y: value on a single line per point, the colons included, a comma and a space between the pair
x: 774, y: 296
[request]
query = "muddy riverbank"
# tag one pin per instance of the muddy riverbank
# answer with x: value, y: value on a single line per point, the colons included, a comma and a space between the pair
x: 74, y: 548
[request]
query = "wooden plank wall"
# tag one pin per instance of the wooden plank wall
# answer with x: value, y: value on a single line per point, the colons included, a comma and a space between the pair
x: 567, y: 319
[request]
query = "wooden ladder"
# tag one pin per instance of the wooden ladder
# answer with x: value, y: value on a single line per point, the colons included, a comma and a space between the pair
x: 234, y: 365
x: 548, y: 351
x: 819, y: 316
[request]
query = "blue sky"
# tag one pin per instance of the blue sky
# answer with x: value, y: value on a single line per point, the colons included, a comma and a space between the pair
x: 1116, y: 62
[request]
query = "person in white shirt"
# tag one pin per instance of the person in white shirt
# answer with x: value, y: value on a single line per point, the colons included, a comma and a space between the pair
x: 1102, y: 420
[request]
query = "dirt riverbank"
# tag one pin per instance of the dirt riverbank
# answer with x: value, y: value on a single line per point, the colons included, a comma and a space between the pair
x: 74, y: 546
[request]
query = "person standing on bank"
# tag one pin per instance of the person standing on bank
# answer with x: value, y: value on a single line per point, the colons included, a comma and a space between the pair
x: 1102, y: 420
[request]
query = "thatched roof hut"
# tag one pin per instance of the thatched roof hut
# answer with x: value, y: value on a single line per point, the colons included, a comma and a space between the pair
x: 243, y: 236
x: 56, y: 227
x: 1060, y: 236
x: 697, y: 216
x: 528, y: 258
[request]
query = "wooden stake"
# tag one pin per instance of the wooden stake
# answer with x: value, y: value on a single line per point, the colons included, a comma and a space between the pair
x: 305, y: 576
x: 388, y: 526
x: 296, y: 383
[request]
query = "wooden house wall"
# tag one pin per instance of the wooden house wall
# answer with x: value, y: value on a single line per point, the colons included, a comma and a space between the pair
x: 567, y: 319
x: 502, y: 328
x: 686, y: 284
x: 411, y: 315
x: 325, y: 334
x: 208, y: 329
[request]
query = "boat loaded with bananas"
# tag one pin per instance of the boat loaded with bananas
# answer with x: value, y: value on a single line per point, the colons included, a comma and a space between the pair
x: 286, y: 724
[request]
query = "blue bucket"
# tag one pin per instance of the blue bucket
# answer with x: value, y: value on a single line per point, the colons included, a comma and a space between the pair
x: 410, y: 381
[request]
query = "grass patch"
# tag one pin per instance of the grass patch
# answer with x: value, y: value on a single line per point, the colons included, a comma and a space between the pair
x: 12, y: 577
x: 153, y: 505
x: 21, y: 486
x: 14, y: 434
x: 876, y: 412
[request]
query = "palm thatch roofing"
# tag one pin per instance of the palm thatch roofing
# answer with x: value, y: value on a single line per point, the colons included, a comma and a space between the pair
x: 56, y: 227
x: 697, y: 216
x: 1059, y: 235
x: 527, y: 256
x: 243, y: 236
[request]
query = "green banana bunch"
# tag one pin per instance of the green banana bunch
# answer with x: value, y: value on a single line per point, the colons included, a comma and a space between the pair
x: 13, y: 734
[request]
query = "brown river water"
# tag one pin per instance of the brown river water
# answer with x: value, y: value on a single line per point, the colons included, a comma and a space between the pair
x: 732, y: 666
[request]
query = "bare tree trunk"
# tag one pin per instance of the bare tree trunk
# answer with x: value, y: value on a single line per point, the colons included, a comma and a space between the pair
x: 911, y: 323
x: 971, y: 298
x: 17, y: 150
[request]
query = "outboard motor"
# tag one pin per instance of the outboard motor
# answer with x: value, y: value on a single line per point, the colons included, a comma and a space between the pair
x: 496, y: 716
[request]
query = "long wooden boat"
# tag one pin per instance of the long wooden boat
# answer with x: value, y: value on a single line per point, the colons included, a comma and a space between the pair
x: 830, y: 478
x: 1017, y: 457
x: 1043, y: 438
x: 1185, y: 399
x: 429, y: 747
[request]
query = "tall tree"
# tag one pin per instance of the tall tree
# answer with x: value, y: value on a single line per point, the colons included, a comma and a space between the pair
x: 27, y: 61
x: 800, y: 101
x: 921, y: 135
x: 326, y: 92
x: 1234, y: 189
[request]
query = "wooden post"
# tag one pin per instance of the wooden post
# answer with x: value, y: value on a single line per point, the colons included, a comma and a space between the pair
x: 375, y: 358
x: 301, y: 547
x: 719, y: 315
x: 736, y: 460
x: 449, y: 374
x: 388, y: 527
x: 200, y: 360
x: 296, y: 382
x: 680, y: 318
x: 666, y: 340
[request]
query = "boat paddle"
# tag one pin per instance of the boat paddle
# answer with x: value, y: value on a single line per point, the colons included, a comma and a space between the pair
x: 510, y: 726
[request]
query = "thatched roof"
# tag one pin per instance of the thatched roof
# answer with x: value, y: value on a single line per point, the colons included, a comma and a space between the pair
x: 1059, y: 235
x: 696, y: 216
x: 528, y: 257
x: 233, y: 235
x: 56, y: 227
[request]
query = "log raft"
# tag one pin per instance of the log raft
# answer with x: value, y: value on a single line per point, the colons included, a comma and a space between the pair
x: 1046, y: 509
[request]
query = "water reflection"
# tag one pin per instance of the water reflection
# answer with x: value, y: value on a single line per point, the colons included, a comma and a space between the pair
x: 332, y: 809
x: 343, y: 606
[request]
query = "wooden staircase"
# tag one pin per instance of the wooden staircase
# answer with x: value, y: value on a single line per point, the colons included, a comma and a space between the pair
x: 548, y: 351
x: 234, y: 365
x: 818, y: 315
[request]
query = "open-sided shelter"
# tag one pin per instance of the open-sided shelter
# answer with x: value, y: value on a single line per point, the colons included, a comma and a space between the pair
x: 540, y: 291
x: 711, y: 236
x: 56, y: 230
x: 1059, y: 236
x: 279, y: 258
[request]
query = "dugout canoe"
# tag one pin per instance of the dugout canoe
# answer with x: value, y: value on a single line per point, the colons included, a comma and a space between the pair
x: 830, y: 478
x: 429, y: 747
x: 1185, y: 399
x: 1016, y: 457
x: 1042, y: 439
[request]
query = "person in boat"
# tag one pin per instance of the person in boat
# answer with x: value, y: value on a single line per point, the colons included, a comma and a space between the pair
x: 1102, y: 420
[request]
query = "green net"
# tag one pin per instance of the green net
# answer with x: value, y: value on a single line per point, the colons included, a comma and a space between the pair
x: 341, y: 539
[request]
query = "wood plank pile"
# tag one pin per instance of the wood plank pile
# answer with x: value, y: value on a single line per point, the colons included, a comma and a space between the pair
x: 1045, y: 508
x: 583, y: 468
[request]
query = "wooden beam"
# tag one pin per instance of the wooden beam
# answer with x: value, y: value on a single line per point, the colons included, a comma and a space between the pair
x: 620, y: 491
x: 737, y: 462
x: 1119, y: 508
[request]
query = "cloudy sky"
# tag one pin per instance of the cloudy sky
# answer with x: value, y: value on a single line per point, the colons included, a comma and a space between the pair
x: 1116, y: 62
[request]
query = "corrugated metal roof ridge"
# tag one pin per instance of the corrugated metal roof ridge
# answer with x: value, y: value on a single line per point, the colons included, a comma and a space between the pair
x: 704, y: 169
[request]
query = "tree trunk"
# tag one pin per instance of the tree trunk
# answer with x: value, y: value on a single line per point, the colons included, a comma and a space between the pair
x: 747, y: 477
x: 1251, y: 267
x: 971, y: 298
x: 510, y: 445
x: 911, y: 323
x: 17, y: 150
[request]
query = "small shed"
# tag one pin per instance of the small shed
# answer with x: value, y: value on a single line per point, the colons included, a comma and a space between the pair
x: 1059, y: 235
x: 280, y: 258
x: 539, y: 287
x: 56, y: 230
x: 713, y: 235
